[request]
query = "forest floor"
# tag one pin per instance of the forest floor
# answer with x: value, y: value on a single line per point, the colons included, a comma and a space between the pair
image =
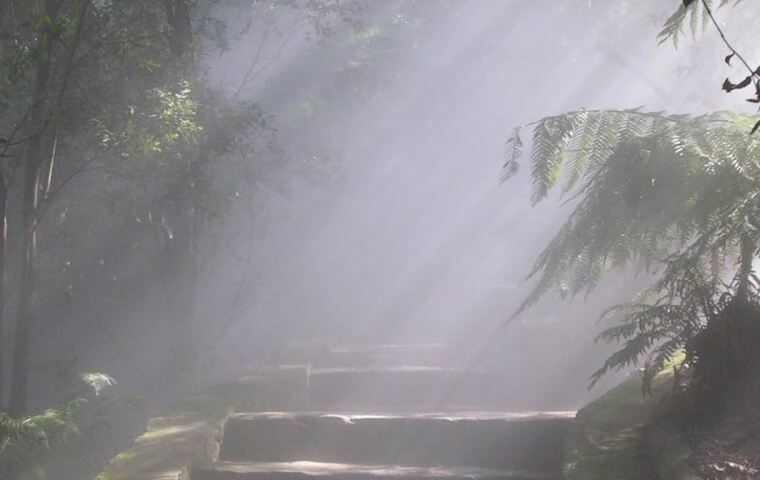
x: 727, y: 446
x: 730, y: 452
x: 608, y: 438
x: 605, y: 440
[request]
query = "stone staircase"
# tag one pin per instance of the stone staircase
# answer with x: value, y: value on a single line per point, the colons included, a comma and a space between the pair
x: 393, y: 415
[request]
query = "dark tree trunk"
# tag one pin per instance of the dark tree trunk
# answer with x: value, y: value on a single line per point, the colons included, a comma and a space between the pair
x: 34, y: 159
x: 181, y: 35
x: 3, y: 284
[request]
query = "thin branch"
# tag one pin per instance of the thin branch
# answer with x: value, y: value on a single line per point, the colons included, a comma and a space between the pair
x: 725, y: 40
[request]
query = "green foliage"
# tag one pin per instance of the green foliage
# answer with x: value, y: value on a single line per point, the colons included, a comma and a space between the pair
x: 50, y: 440
x: 675, y: 194
x: 12, y: 431
x: 169, y: 120
x: 69, y: 439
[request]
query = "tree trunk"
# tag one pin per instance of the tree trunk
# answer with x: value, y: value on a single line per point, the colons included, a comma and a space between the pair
x: 3, y: 284
x: 181, y: 35
x: 179, y: 249
x: 35, y: 153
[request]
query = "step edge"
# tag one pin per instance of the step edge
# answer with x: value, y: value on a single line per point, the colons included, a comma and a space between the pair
x: 332, y: 468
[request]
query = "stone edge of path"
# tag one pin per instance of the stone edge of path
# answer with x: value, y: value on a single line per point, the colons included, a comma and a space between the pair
x: 190, y: 431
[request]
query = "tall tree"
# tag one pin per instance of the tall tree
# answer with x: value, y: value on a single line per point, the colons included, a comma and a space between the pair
x: 40, y: 153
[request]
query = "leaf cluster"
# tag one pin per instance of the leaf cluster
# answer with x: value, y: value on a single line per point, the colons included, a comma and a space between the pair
x: 702, y: 12
x: 694, y: 13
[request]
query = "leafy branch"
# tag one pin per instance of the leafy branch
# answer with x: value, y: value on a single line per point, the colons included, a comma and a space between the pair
x: 674, y: 27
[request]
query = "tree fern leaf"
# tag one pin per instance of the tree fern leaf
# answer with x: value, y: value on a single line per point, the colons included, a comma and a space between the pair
x: 513, y: 153
x: 578, y: 150
x: 694, y: 21
x: 604, y: 141
x: 705, y: 16
x: 673, y: 26
x: 695, y: 11
x: 632, y: 124
x: 546, y: 158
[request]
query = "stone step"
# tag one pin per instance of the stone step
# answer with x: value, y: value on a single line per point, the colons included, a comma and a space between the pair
x: 499, y: 441
x: 305, y: 470
x: 390, y: 355
x: 410, y: 389
x: 393, y: 355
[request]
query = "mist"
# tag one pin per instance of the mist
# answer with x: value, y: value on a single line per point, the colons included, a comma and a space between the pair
x: 401, y: 232
x: 418, y: 241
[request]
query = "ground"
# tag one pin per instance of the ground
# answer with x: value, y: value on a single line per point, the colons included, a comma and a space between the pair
x: 605, y: 441
x: 609, y: 438
x: 727, y: 446
x: 732, y: 452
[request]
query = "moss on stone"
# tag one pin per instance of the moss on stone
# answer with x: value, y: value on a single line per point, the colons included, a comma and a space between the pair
x: 606, y: 439
x: 190, y: 432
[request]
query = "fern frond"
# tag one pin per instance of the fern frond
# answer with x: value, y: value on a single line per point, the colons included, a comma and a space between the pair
x: 550, y: 137
x: 96, y: 382
x: 694, y: 21
x: 13, y: 430
x: 512, y: 153
x: 578, y: 150
x: 673, y: 27
x: 698, y: 19
x: 604, y: 140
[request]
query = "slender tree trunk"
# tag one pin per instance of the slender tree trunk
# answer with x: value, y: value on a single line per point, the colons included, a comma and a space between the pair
x: 34, y: 159
x: 3, y: 284
x: 179, y: 252
x: 181, y: 35
x: 6, y: 23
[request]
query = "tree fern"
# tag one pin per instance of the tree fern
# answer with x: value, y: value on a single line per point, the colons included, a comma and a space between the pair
x: 672, y: 193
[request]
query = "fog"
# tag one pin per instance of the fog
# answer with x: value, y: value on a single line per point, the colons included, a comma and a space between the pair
x: 407, y: 235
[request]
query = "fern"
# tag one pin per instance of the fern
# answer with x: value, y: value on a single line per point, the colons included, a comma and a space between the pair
x: 672, y: 193
x: 66, y: 432
x: 96, y: 382
x: 12, y: 430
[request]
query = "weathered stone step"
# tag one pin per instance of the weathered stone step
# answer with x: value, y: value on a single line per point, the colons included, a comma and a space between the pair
x: 499, y: 441
x: 393, y: 355
x: 305, y: 470
x: 409, y: 389
x: 390, y: 355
